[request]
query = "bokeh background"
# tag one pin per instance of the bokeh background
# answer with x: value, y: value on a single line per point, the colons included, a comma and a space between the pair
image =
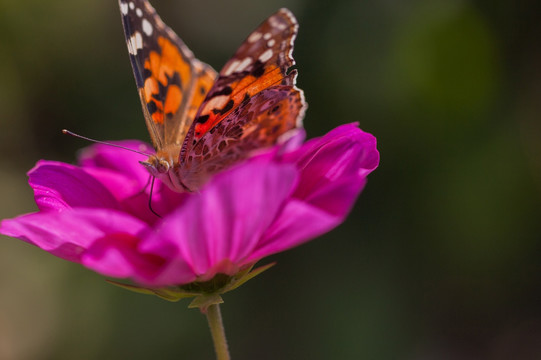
x: 440, y: 258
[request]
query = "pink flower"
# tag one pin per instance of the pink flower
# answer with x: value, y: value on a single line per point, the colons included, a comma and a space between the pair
x: 97, y: 213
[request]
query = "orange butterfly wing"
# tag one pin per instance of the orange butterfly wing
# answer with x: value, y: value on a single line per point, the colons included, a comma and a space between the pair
x: 171, y: 82
x: 201, y: 122
x: 252, y: 103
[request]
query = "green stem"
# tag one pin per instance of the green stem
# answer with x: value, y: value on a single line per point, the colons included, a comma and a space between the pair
x: 214, y: 317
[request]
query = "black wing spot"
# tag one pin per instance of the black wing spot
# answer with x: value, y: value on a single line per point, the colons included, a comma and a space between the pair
x: 225, y: 91
x: 202, y: 119
x: 162, y: 91
x: 146, y: 73
x: 151, y: 106
x: 227, y: 106
x: 175, y: 80
x: 259, y: 69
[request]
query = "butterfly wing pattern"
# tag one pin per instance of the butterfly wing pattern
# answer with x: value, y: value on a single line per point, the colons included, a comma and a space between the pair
x: 201, y: 122
x: 170, y: 81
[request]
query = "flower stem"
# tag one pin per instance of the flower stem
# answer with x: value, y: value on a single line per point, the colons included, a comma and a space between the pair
x: 214, y: 317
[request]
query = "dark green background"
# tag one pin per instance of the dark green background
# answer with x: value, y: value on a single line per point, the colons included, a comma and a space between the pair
x: 438, y: 260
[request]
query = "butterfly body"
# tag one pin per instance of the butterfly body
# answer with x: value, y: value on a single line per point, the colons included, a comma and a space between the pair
x: 201, y: 121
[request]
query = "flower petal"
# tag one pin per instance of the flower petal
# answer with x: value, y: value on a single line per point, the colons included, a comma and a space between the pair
x: 58, y: 186
x: 98, y: 214
x: 344, y: 152
x: 68, y: 234
x: 297, y: 223
x: 333, y: 173
x: 120, y: 172
x: 121, y: 186
x: 337, y: 198
x: 117, y: 255
x: 223, y: 224
x: 121, y: 161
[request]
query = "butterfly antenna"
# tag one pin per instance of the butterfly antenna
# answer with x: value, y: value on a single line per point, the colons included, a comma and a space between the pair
x: 150, y: 198
x: 67, y: 132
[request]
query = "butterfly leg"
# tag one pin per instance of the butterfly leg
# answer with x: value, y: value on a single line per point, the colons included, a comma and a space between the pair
x: 150, y: 198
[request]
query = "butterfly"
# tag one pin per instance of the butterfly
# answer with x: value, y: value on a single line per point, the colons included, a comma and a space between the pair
x: 200, y: 121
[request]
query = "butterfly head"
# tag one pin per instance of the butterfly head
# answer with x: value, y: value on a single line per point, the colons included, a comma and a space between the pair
x: 162, y: 161
x: 164, y: 166
x: 156, y: 166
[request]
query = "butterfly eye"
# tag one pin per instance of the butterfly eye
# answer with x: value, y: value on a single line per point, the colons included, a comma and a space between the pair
x: 162, y: 166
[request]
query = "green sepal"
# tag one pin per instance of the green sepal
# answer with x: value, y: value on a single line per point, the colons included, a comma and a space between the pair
x: 172, y: 293
x: 206, y: 293
x: 242, y: 277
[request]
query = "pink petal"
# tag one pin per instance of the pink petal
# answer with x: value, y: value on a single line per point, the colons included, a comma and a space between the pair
x: 165, y: 200
x: 121, y: 186
x: 344, y: 152
x: 68, y: 234
x: 131, y: 196
x: 338, y: 198
x: 297, y: 223
x: 117, y: 255
x: 333, y: 173
x: 224, y: 222
x: 58, y: 186
x: 120, y: 172
x: 121, y: 161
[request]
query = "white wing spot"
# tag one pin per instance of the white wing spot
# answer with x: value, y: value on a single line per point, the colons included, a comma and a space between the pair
x: 254, y: 37
x: 131, y: 50
x: 243, y: 64
x: 277, y: 24
x: 231, y: 67
x: 266, y: 55
x: 135, y: 43
x: 267, y: 36
x: 147, y: 27
x: 132, y: 5
x: 138, y: 40
x: 271, y: 43
x: 139, y: 12
x: 217, y: 102
x: 124, y: 8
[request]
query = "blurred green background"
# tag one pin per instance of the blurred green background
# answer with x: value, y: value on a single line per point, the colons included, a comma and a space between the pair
x: 438, y: 260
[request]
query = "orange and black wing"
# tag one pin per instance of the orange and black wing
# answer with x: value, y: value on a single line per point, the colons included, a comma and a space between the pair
x: 258, y: 72
x: 171, y: 82
x: 252, y: 103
